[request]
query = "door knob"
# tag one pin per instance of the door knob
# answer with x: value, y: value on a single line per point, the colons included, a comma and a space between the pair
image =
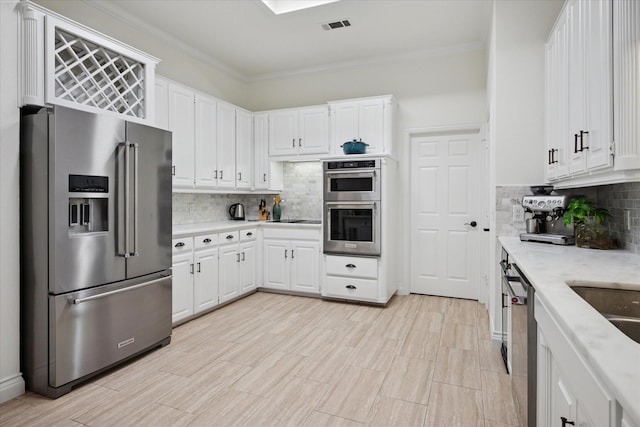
x: 472, y: 223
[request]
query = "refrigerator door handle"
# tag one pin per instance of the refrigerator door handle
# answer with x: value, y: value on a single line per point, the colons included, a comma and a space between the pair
x: 125, y: 198
x: 117, y: 291
x: 135, y: 199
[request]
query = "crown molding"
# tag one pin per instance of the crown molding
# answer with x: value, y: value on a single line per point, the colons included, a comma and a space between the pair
x: 111, y: 8
x: 405, y: 56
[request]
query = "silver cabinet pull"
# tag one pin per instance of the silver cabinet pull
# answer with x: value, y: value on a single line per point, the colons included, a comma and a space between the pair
x: 249, y: 234
x: 239, y: 176
x: 173, y: 170
x: 118, y: 291
x: 264, y: 177
x: 216, y: 174
x: 350, y: 287
x: 199, y: 268
x: 299, y: 142
x: 229, y: 236
x: 191, y: 268
x: 350, y: 266
x: 285, y: 254
x: 179, y: 245
x: 221, y: 174
x: 207, y: 240
x: 292, y: 252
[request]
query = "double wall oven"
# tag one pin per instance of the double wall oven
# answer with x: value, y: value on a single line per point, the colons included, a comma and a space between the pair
x: 352, y: 207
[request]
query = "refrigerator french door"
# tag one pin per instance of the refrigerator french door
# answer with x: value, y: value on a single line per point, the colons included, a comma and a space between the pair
x: 96, y: 244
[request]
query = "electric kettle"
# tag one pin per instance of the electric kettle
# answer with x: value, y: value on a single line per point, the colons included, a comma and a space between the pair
x: 236, y: 211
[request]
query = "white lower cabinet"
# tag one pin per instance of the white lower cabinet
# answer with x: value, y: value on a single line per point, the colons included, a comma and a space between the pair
x: 351, y: 277
x: 291, y: 262
x: 568, y: 391
x: 195, y: 276
x: 237, y: 263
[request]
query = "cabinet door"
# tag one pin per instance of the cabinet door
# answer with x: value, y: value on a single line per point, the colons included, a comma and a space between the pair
x: 182, y: 287
x: 161, y: 103
x: 247, y: 267
x: 576, y: 75
x: 205, y: 287
x: 563, y: 401
x: 283, y: 133
x: 244, y: 149
x: 181, y: 123
x: 597, y: 65
x: 261, y: 147
x: 226, y: 141
x: 313, y: 130
x: 371, y: 124
x: 229, y: 260
x: 276, y: 264
x: 205, y: 142
x: 344, y: 125
x: 305, y: 264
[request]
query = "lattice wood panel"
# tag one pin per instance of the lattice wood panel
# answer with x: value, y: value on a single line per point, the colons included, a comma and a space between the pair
x: 89, y: 74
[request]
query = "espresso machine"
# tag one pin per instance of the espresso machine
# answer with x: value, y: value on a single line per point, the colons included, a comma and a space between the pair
x: 543, y: 213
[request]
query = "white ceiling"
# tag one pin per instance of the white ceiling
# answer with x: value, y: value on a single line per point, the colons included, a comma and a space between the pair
x: 245, y: 38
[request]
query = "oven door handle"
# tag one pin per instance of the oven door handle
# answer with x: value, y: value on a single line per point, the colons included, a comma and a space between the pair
x: 352, y: 173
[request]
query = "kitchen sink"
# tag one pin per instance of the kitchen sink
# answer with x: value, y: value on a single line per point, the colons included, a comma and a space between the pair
x: 619, y: 306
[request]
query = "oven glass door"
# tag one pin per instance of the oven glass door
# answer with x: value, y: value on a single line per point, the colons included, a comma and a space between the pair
x: 352, y: 228
x: 352, y: 185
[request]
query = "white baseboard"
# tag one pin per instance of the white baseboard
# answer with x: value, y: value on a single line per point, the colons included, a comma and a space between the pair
x: 11, y: 388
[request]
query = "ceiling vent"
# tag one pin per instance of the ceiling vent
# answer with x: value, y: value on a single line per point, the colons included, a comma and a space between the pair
x: 337, y: 24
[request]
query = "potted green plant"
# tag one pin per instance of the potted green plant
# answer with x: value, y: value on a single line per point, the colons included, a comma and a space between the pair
x: 587, y: 220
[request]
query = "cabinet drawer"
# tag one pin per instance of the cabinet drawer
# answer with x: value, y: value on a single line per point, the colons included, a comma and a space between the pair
x: 346, y: 287
x: 248, y: 234
x: 229, y: 237
x: 350, y: 266
x: 205, y: 241
x: 182, y: 245
x: 284, y: 232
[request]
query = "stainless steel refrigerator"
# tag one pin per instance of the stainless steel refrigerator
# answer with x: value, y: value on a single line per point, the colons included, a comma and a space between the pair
x: 95, y: 244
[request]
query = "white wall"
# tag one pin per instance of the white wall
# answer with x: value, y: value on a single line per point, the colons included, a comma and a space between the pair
x: 521, y: 30
x: 515, y: 89
x: 11, y: 382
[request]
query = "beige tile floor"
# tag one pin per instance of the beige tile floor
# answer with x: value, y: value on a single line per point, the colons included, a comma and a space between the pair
x: 278, y: 360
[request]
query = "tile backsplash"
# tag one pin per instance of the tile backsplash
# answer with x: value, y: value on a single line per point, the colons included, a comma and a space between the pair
x: 616, y: 198
x: 301, y: 198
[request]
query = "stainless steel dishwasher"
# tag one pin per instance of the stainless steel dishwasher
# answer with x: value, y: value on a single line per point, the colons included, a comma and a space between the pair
x: 524, y: 352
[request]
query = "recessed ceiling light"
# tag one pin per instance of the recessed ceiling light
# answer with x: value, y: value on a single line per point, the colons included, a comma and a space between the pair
x: 285, y: 6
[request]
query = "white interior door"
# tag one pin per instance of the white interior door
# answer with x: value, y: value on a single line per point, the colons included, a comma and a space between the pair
x: 445, y: 210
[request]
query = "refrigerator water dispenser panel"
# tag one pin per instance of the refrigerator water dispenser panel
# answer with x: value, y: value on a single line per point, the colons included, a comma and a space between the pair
x: 88, y: 215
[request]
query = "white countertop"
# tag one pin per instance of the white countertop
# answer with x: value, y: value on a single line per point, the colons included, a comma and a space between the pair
x: 185, y: 230
x: 613, y: 356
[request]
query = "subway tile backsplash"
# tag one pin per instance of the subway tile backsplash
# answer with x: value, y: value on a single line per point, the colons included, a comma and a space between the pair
x: 616, y: 198
x: 301, y: 198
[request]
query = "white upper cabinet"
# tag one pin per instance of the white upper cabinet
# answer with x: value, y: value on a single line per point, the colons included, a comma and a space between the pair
x: 181, y: 123
x: 161, y: 119
x: 626, y: 63
x: 370, y: 120
x: 261, y: 147
x: 60, y: 58
x: 226, y: 131
x: 244, y: 149
x: 299, y: 131
x: 206, y: 156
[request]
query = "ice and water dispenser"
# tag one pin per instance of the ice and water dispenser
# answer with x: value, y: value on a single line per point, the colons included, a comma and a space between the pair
x: 88, y: 213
